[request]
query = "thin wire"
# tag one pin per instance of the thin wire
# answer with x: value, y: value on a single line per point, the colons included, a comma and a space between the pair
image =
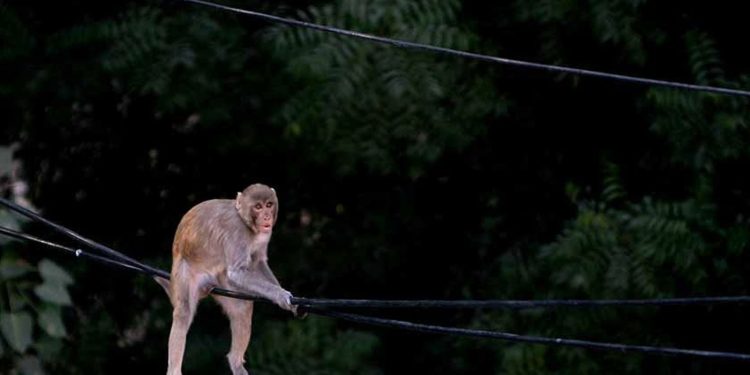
x: 381, y: 304
x: 77, y: 252
x: 141, y: 268
x: 67, y: 232
x: 514, y: 304
x: 476, y: 56
x: 405, y: 304
x: 410, y: 325
x: 418, y: 327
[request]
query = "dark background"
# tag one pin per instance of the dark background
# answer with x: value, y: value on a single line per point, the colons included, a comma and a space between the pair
x: 401, y: 174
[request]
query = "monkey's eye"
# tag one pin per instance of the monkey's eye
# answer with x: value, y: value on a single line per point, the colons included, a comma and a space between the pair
x: 269, y: 204
x: 258, y: 206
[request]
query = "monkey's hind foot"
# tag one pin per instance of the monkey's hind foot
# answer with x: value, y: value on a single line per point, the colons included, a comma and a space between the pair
x: 237, y: 366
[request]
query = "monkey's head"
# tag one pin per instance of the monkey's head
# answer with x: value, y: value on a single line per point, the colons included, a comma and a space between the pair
x: 258, y: 207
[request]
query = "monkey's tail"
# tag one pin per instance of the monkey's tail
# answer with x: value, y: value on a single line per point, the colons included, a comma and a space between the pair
x: 164, y: 284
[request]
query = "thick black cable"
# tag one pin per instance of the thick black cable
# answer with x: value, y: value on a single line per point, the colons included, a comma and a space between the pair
x: 476, y: 56
x: 409, y: 325
x: 426, y: 328
x: 390, y: 304
x: 67, y: 232
x: 513, y: 304
x: 140, y: 267
x: 76, y: 252
x: 407, y: 304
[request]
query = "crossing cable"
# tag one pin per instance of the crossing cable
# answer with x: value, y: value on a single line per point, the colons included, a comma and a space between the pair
x: 131, y: 263
x: 69, y: 233
x: 121, y: 260
x: 476, y: 56
x: 417, y: 327
x: 514, y: 304
x: 77, y: 252
x: 403, y: 304
x: 512, y: 337
x: 149, y: 271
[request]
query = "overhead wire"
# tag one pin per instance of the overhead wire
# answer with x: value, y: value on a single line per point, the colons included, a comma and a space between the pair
x: 515, y: 304
x: 512, y: 337
x: 73, y: 251
x: 476, y: 56
x: 319, y: 306
x: 309, y: 306
x: 407, y: 304
x: 411, y: 326
x: 364, y: 303
x: 71, y: 234
x: 121, y: 259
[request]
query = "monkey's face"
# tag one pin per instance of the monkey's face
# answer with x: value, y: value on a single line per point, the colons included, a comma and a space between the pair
x: 263, y: 213
x: 258, y: 206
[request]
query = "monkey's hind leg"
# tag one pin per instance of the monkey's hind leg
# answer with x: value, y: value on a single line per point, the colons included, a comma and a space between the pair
x: 240, y: 315
x: 184, y: 295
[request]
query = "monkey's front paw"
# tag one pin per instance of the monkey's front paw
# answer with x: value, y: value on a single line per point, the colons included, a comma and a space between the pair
x: 284, y: 300
x: 298, y: 313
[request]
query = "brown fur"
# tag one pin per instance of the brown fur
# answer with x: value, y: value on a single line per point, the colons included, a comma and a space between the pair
x: 223, y: 243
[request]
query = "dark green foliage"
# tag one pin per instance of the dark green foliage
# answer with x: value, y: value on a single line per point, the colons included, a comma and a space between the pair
x: 401, y: 174
x: 702, y: 129
x: 32, y: 303
x: 316, y: 348
x: 377, y: 107
x: 569, y: 26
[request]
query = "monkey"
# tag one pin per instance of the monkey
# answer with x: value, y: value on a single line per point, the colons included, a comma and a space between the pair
x: 223, y: 243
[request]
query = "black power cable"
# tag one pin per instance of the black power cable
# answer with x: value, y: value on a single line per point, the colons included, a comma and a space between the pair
x: 309, y: 304
x: 514, y: 304
x: 476, y: 56
x: 369, y: 303
x: 121, y: 259
x: 69, y: 233
x: 426, y: 328
x: 77, y: 252
x: 418, y: 327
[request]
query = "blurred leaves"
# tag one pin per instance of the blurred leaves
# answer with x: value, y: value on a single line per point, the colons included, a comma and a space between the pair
x: 614, y: 23
x: 643, y: 251
x: 53, y: 293
x: 22, y: 311
x: 13, y: 268
x: 404, y: 175
x: 16, y: 328
x: 702, y: 129
x: 53, y: 274
x: 314, y: 347
x: 50, y: 319
x: 362, y: 104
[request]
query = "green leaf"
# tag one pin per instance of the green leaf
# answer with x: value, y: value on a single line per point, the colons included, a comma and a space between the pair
x: 50, y: 319
x: 2, y: 349
x: 6, y: 160
x: 54, y: 293
x: 54, y: 273
x: 9, y: 221
x: 16, y: 328
x: 10, y: 269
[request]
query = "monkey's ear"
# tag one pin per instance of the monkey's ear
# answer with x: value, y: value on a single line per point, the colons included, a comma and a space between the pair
x: 237, y: 200
x: 275, y: 208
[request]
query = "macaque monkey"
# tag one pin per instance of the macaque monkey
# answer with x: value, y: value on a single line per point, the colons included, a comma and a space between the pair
x: 223, y: 243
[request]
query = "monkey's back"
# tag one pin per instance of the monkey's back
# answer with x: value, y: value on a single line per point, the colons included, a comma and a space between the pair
x: 204, y: 233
